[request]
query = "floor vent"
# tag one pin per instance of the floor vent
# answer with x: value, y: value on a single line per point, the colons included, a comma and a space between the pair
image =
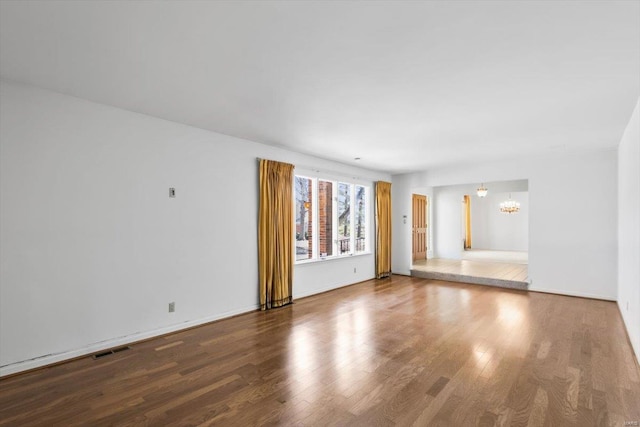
x: 108, y: 352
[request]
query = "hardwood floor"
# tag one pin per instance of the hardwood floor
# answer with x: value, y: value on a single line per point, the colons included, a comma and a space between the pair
x: 397, y: 351
x: 489, y: 273
x: 491, y: 270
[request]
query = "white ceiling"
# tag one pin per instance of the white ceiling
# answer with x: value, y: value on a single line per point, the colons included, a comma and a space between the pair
x: 404, y: 85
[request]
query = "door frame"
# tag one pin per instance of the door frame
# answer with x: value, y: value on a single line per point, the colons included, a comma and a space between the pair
x: 415, y: 255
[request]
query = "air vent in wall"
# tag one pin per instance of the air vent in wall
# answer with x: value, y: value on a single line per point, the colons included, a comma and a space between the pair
x: 108, y: 352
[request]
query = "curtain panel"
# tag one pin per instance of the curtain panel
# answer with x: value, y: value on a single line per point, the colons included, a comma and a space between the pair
x: 467, y: 222
x: 383, y: 229
x: 275, y: 234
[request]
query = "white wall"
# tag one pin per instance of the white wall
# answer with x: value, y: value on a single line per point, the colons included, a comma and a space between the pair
x: 402, y: 188
x: 492, y: 229
x: 93, y: 249
x: 448, y: 233
x: 572, y: 225
x: 629, y: 228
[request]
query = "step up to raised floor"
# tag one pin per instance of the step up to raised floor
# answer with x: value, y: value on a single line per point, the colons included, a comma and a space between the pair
x: 461, y: 278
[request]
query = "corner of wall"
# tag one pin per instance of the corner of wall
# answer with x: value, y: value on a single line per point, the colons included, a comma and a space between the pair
x: 629, y: 229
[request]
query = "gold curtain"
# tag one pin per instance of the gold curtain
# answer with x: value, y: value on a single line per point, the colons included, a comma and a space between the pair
x: 383, y: 229
x: 275, y: 234
x: 467, y: 222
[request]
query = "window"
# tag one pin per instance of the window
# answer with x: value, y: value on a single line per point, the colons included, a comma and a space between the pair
x: 331, y: 218
x: 344, y: 215
x: 303, y: 205
x: 360, y: 224
x: 325, y: 218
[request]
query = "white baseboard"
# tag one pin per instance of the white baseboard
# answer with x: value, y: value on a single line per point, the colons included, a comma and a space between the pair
x: 635, y: 343
x: 572, y: 294
x: 326, y: 289
x: 49, y: 359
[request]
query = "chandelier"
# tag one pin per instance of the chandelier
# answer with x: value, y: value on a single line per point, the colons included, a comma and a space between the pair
x: 509, y: 206
x: 482, y: 191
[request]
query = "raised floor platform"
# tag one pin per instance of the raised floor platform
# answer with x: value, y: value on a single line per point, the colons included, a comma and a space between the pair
x: 500, y: 274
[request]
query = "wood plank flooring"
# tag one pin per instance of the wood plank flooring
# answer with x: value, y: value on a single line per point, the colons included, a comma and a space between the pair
x: 502, y: 274
x: 398, y: 351
x: 492, y: 270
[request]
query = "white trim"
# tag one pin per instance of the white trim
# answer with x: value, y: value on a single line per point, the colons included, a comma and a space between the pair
x: 102, y: 345
x: 327, y: 289
x: 49, y: 359
x: 335, y: 221
x: 330, y: 258
x: 625, y: 323
x: 315, y: 235
x: 352, y: 218
x: 328, y: 175
x: 572, y: 294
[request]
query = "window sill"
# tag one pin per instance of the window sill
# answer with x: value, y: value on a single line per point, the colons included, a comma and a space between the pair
x: 331, y: 258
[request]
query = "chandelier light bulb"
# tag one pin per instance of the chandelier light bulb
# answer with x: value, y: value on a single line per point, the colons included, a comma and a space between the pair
x: 509, y: 206
x: 482, y: 191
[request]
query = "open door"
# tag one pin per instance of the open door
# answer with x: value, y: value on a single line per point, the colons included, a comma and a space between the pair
x: 419, y: 228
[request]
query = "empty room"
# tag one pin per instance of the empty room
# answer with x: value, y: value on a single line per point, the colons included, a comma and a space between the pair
x: 311, y: 213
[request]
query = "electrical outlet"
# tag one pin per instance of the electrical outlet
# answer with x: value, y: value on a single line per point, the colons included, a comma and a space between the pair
x: 172, y: 192
x: 172, y: 307
x: 354, y: 269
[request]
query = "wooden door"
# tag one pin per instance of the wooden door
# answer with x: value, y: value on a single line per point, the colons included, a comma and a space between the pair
x: 419, y: 228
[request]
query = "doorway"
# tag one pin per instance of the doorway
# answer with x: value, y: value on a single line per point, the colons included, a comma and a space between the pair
x: 419, y: 227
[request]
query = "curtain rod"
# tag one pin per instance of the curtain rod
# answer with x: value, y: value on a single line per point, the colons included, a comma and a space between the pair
x: 331, y: 172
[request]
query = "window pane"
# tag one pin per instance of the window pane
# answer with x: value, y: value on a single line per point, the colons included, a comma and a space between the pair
x: 304, y: 208
x: 344, y: 217
x: 360, y: 218
x: 325, y: 218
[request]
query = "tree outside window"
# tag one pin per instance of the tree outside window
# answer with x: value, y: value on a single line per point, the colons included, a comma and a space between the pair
x: 344, y: 218
x: 331, y: 218
x: 304, y: 228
